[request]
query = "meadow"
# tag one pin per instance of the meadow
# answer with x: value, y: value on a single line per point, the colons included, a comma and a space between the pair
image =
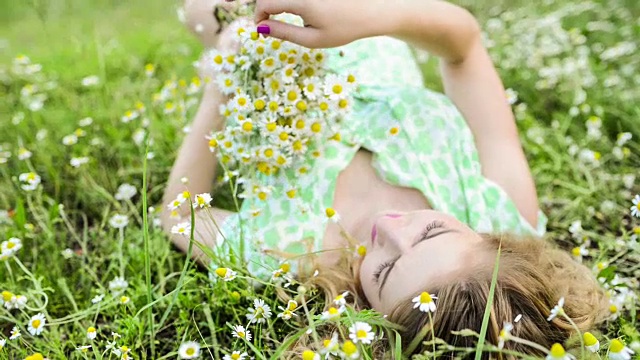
x: 95, y: 98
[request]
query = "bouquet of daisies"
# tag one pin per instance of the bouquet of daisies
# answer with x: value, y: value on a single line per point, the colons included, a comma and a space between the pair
x: 283, y: 101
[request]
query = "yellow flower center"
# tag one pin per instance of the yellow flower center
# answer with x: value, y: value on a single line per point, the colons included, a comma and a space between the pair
x: 247, y: 126
x: 291, y: 193
x: 283, y: 136
x: 262, y: 195
x: 190, y: 351
x: 6, y: 296
x: 283, y: 57
x: 394, y: 130
x: 330, y: 212
x: 218, y: 59
x: 589, y: 339
x: 316, y: 127
x: 616, y: 346
x: 271, y: 126
x: 425, y: 298
x: 231, y: 59
x: 557, y: 351
x: 259, y: 104
x: 324, y: 106
x: 285, y: 267
x: 308, y: 355
x: 241, y: 334
x: 36, y: 323
x: 319, y: 57
x: 362, y: 250
x: 309, y: 72
x: 276, y: 45
x: 301, y: 105
x: 222, y: 272
x: 343, y: 103
x: 268, y: 153
x: 361, y: 334
x: 228, y: 82
x: 337, y: 89
x: 575, y: 251
x: 300, y: 124
x: 613, y: 309
x: 292, y: 95
x: 351, y: 78
x: 333, y: 311
x: 91, y: 329
x: 349, y: 348
x: 273, y: 106
x: 10, y: 245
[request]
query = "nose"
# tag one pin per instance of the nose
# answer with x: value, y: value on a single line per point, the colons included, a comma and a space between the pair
x: 390, y: 232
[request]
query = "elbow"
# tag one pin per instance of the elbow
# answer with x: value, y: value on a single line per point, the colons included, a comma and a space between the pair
x: 469, y: 36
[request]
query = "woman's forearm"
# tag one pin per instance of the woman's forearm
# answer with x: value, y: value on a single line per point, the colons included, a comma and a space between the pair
x: 443, y: 29
x: 194, y: 160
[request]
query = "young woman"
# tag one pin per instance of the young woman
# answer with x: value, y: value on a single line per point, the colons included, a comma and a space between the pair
x: 431, y: 200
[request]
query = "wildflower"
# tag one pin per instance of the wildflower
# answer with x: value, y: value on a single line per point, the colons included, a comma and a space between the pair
x: 124, y: 299
x: 15, y: 333
x: 119, y: 221
x: 11, y: 246
x: 202, y: 200
x: 91, y: 333
x: 36, y: 356
x: 83, y: 348
x: 70, y: 140
x: 281, y: 271
x: 332, y: 313
x: 91, y: 80
x: 617, y: 351
x: 425, y: 302
x: 76, y: 162
x: 331, y: 214
x: 259, y: 313
x: 181, y: 229
x: 350, y: 350
x: 240, y: 333
x: 67, y: 253
x: 98, y: 298
x: 31, y: 179
x: 310, y: 355
x: 557, y: 353
x: 3, y: 342
x: 288, y: 312
x: 361, y: 250
x: 117, y: 286
x: 361, y: 332
x: 36, y: 324
x: 330, y: 346
x: 557, y: 310
x: 24, y: 154
x: 236, y: 355
x: 579, y: 251
x: 635, y: 209
x: 125, y: 192
x: 505, y: 334
x: 149, y: 70
x: 129, y: 115
x: 226, y: 274
x: 590, y: 342
x: 341, y: 300
x: 85, y: 122
x: 189, y: 350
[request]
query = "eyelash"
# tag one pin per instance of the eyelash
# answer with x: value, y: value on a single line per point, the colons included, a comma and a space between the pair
x: 432, y: 225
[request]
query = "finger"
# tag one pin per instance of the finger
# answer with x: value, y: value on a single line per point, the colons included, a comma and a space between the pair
x: 306, y: 36
x: 265, y: 8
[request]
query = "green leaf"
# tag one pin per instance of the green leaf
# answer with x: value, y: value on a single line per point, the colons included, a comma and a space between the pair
x: 487, y: 310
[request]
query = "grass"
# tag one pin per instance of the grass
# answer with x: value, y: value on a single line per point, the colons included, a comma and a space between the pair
x: 578, y: 177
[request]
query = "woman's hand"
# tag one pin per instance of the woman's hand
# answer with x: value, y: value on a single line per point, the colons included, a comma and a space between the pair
x: 327, y: 23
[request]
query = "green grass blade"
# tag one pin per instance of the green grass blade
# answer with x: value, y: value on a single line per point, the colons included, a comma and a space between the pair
x: 487, y: 310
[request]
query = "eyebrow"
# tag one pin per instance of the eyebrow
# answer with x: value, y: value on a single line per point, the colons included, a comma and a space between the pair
x: 386, y: 275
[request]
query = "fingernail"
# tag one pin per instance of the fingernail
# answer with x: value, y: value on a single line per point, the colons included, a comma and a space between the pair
x: 264, y: 29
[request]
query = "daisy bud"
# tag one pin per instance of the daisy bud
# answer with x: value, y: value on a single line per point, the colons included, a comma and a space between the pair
x: 590, y: 342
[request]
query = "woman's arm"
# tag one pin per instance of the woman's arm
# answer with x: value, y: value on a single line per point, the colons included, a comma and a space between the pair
x: 472, y: 83
x: 198, y: 165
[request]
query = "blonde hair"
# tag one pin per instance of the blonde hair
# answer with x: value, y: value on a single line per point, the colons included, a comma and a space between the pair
x: 533, y: 275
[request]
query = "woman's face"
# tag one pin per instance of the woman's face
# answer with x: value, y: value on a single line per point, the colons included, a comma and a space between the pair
x: 414, y: 252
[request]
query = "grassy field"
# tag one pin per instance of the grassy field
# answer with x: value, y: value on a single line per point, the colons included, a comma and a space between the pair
x: 574, y: 77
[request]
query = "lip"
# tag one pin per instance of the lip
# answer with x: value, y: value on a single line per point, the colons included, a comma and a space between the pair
x: 374, y: 232
x: 393, y: 216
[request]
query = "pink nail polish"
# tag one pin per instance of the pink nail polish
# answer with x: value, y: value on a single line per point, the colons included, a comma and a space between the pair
x: 264, y: 29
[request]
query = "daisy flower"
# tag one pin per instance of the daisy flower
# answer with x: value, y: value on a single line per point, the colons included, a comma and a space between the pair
x: 259, y: 313
x: 124, y: 299
x: 312, y: 87
x: 425, y: 302
x: 332, y: 313
x: 557, y: 310
x: 361, y: 332
x: 70, y: 140
x: 91, y: 333
x: 505, y: 333
x: 557, y: 352
x: 591, y: 342
x: 330, y: 346
x: 117, y: 286
x: 227, y: 83
x: 310, y: 355
x: 83, y: 348
x: 76, y: 162
x: 91, y: 80
x: 15, y: 333
x: 202, y: 200
x: 240, y: 333
x: 189, y: 350
x: 236, y: 355
x: 125, y: 192
x: 24, y: 154
x: 119, y: 221
x: 288, y: 312
x: 341, y: 300
x: 181, y: 229
x: 31, y: 179
x: 11, y: 246
x: 3, y: 342
x: 579, y: 251
x: 129, y: 115
x: 349, y: 350
x: 334, y: 87
x: 226, y: 274
x: 617, y: 351
x: 36, y: 324
x: 635, y: 209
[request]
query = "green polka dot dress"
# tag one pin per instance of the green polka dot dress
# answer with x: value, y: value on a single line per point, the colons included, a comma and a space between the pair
x: 418, y: 140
